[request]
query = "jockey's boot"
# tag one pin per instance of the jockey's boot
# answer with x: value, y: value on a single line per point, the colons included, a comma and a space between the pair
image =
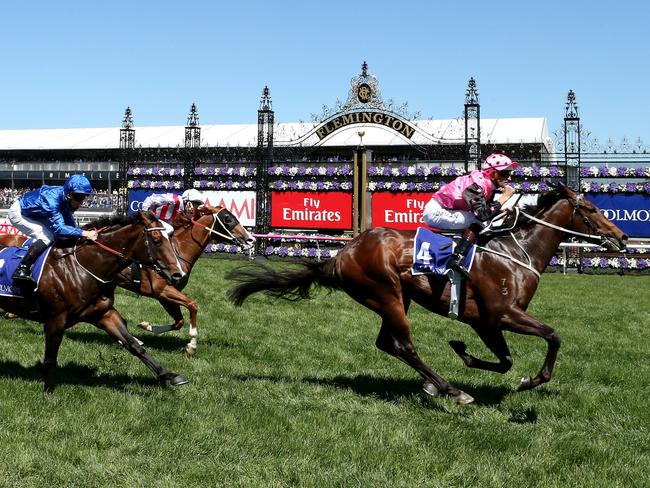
x: 461, y: 250
x: 23, y: 274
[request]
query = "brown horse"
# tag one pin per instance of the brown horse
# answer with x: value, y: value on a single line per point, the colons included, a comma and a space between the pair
x: 375, y: 270
x: 78, y: 284
x: 191, y: 236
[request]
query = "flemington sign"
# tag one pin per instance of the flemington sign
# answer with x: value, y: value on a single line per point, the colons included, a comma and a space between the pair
x: 367, y: 117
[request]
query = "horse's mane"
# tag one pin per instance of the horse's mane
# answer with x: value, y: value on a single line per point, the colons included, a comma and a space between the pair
x: 544, y: 201
x: 115, y: 221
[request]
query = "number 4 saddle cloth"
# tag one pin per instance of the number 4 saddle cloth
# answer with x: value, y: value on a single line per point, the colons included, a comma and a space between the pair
x: 432, y: 252
x: 9, y: 260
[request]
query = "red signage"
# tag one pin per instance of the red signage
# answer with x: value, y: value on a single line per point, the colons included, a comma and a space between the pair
x: 398, y: 210
x: 311, y: 210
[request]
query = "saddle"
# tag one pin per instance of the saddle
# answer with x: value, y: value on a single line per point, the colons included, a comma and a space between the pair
x: 432, y: 252
x: 9, y: 260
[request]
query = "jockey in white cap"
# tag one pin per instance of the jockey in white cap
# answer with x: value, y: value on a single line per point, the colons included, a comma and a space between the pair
x: 166, y: 206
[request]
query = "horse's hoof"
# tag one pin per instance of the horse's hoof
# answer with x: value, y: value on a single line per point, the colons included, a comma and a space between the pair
x: 177, y: 380
x: 430, y: 389
x: 463, y: 398
x: 525, y: 384
x: 145, y: 325
x: 190, y: 349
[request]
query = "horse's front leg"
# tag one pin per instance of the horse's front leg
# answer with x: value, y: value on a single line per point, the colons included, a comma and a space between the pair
x: 172, y: 299
x: 115, y: 325
x: 516, y: 320
x: 493, y: 338
x: 54, y: 329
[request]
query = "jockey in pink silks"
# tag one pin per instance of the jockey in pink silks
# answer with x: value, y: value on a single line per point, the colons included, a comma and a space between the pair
x: 468, y: 201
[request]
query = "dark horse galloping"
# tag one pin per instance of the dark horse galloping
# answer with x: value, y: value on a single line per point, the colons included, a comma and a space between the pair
x: 191, y: 235
x: 374, y: 269
x: 78, y: 285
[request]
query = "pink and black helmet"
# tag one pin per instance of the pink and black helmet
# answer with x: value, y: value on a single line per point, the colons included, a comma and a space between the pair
x: 498, y: 162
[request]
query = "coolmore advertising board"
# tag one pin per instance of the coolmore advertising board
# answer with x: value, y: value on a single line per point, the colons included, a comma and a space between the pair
x: 240, y: 203
x: 630, y: 213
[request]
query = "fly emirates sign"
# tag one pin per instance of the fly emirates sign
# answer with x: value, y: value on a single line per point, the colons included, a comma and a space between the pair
x: 311, y: 210
x: 398, y: 210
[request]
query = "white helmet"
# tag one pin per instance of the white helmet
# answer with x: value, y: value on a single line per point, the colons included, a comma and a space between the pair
x: 194, y: 196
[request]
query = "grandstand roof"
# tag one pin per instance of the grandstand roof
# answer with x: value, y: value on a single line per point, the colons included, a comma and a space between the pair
x: 451, y: 131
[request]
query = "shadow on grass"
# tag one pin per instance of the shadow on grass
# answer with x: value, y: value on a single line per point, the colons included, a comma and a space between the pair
x: 392, y: 390
x: 168, y: 342
x: 164, y: 342
x: 73, y: 374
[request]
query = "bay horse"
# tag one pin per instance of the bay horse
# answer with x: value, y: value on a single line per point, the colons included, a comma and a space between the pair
x: 78, y: 284
x: 190, y: 237
x: 375, y: 270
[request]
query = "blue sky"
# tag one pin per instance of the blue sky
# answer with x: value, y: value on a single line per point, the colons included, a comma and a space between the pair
x: 71, y: 64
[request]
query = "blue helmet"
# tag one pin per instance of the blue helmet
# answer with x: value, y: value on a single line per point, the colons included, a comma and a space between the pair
x: 78, y: 184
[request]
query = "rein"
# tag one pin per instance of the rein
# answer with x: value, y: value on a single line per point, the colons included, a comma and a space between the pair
x: 114, y: 252
x: 576, y: 206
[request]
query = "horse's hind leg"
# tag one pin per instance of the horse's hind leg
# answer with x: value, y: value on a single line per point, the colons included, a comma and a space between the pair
x: 115, y: 325
x: 395, y: 339
x: 520, y: 322
x: 493, y: 339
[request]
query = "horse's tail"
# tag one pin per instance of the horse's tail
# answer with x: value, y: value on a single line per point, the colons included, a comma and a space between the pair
x: 289, y: 283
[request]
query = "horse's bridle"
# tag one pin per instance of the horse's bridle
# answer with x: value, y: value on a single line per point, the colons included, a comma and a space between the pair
x: 226, y: 230
x: 151, y: 264
x: 595, y: 238
x: 601, y: 240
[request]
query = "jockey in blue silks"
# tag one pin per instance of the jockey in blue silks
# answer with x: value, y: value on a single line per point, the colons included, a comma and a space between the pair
x: 45, y: 215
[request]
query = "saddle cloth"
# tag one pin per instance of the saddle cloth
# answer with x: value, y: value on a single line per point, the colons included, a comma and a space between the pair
x: 432, y: 252
x: 9, y: 260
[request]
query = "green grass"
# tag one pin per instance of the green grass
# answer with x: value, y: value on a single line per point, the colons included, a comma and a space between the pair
x: 295, y: 394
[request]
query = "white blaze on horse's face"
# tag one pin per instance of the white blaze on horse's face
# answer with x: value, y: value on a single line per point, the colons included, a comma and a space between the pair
x: 178, y: 263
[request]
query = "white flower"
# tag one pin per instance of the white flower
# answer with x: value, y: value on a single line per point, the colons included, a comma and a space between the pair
x: 293, y: 170
x: 410, y: 170
x: 322, y: 170
x: 544, y: 171
x: 136, y: 171
x: 313, y: 186
x: 130, y: 184
x: 402, y: 186
x: 528, y: 171
x: 611, y: 171
x: 394, y: 171
x: 372, y: 186
x: 278, y: 171
x: 614, y: 263
x: 593, y: 170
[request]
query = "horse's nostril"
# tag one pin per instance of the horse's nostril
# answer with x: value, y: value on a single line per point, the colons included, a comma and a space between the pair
x: 176, y: 276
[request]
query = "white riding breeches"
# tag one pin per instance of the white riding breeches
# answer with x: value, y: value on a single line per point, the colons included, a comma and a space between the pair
x: 435, y: 215
x: 31, y: 228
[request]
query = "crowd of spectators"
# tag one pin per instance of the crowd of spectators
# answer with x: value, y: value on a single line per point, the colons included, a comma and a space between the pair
x: 98, y: 200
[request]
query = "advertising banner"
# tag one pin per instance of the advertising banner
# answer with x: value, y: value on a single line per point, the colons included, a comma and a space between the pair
x: 240, y: 203
x: 398, y: 210
x: 311, y: 210
x: 7, y: 229
x: 631, y: 213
